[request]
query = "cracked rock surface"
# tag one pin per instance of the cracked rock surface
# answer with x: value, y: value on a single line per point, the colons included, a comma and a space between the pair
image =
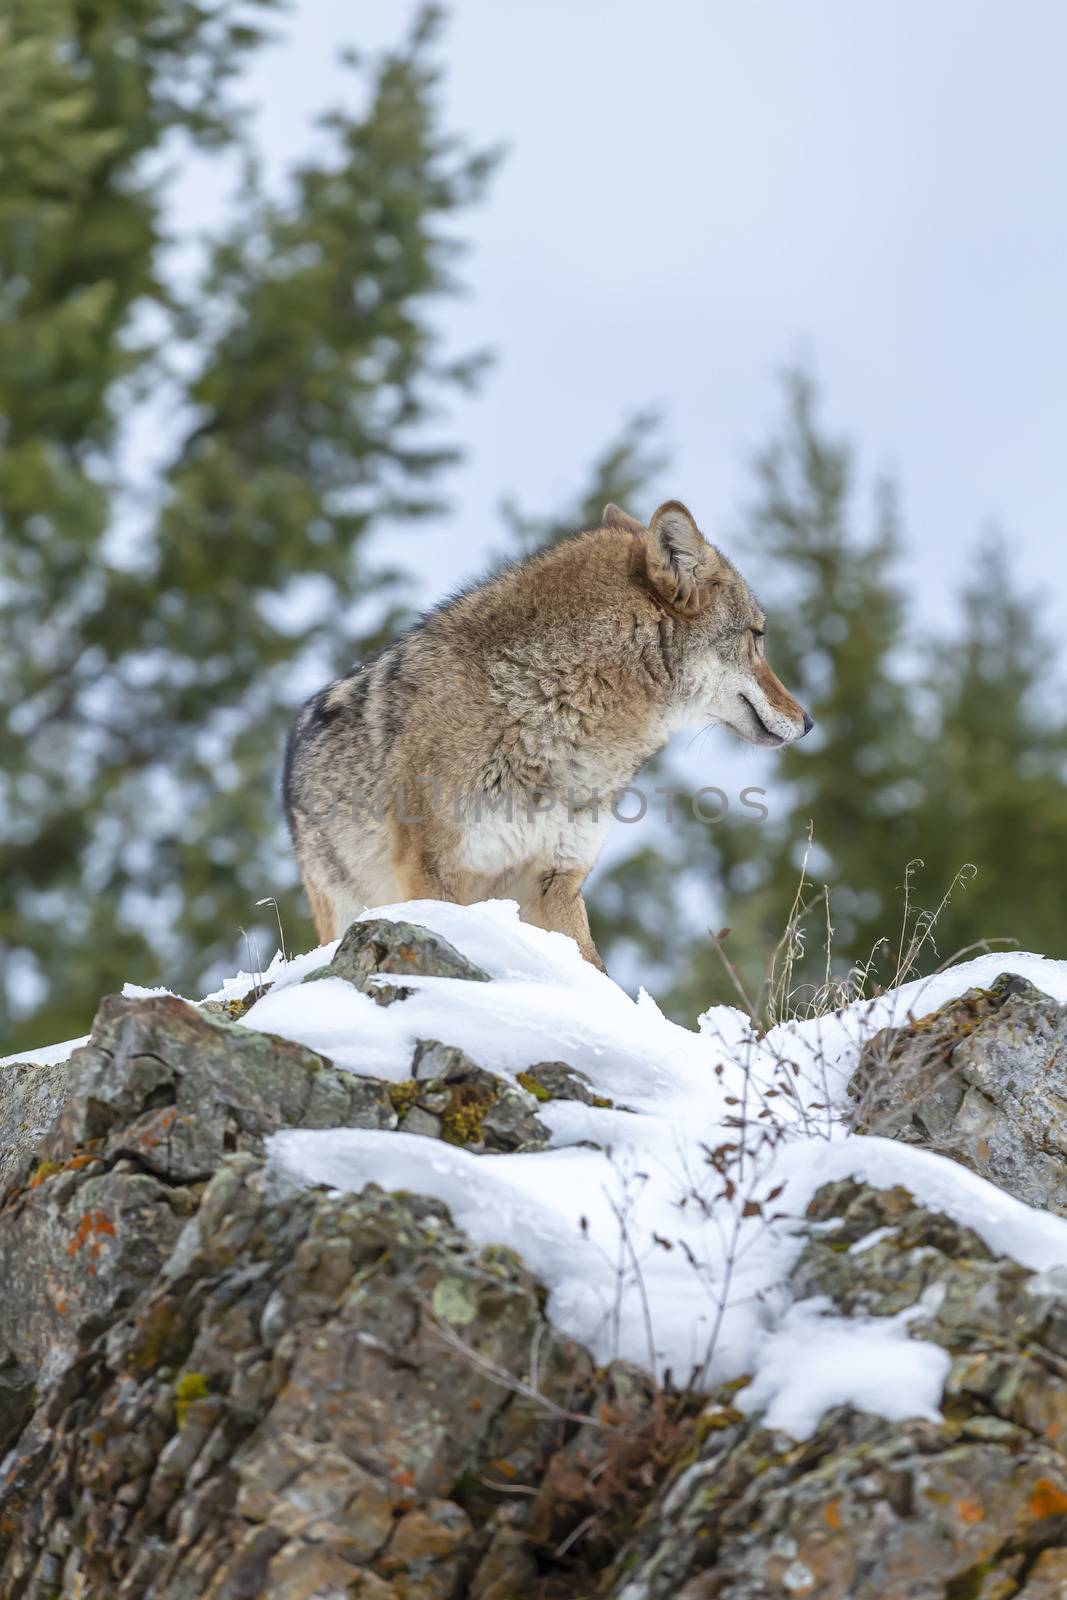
x: 155, y: 1100
x: 372, y: 951
x: 213, y: 1387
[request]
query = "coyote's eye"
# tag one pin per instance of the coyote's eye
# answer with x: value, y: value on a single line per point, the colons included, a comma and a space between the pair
x: 757, y: 633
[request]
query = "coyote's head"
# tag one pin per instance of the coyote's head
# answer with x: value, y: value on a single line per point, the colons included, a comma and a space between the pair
x: 712, y: 633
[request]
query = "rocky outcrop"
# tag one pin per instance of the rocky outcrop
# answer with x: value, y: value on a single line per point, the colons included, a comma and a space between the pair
x: 209, y: 1387
x: 450, y: 1097
x: 155, y: 1101
x: 554, y: 1080
x: 319, y: 1395
x: 215, y: 1388
x: 160, y: 1095
x: 983, y: 1080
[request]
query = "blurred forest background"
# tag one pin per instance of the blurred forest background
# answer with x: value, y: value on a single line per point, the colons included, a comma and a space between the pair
x: 155, y: 638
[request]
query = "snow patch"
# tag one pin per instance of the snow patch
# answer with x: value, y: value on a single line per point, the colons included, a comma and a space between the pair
x: 814, y: 1361
x: 49, y: 1055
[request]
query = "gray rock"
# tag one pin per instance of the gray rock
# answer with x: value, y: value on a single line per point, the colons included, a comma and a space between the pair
x: 371, y: 949
x: 555, y: 1080
x: 30, y: 1098
x: 155, y: 1100
x: 1047, y: 1578
x: 983, y: 1080
x: 416, y: 1119
x: 174, y: 1090
x: 74, y: 1249
x: 17, y: 1398
x: 212, y: 1388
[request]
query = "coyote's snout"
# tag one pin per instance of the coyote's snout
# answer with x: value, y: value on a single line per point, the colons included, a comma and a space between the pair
x: 476, y: 757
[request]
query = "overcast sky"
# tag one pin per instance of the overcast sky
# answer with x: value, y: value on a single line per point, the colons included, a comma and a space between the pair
x: 697, y: 192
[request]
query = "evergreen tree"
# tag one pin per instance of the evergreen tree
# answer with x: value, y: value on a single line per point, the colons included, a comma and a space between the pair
x: 938, y: 756
x: 948, y: 756
x: 146, y: 679
x: 836, y: 636
x: 150, y: 708
x: 995, y: 765
x: 971, y: 791
x: 88, y: 93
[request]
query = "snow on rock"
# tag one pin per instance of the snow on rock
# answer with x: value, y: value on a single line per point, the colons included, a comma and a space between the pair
x: 642, y: 1254
x: 812, y: 1361
x: 49, y: 1055
x: 826, y: 1048
x: 624, y: 1218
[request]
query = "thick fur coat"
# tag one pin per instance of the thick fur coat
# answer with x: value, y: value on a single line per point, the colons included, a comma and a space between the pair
x: 477, y: 756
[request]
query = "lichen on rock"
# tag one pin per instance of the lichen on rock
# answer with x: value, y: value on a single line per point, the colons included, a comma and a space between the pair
x: 555, y: 1080
x: 31, y: 1094
x: 154, y: 1102
x: 213, y: 1385
x: 469, y: 1106
x: 320, y: 1389
x: 866, y: 1509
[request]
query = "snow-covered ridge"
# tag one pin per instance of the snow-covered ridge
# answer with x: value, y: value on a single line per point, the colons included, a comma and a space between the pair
x: 633, y: 1240
x: 595, y: 1224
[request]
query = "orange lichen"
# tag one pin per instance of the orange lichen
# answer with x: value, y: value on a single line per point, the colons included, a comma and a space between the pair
x: 94, y: 1226
x: 970, y: 1511
x: 161, y: 1124
x: 1047, y: 1499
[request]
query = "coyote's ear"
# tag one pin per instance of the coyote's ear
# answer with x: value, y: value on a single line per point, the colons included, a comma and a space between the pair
x: 682, y: 566
x: 615, y: 517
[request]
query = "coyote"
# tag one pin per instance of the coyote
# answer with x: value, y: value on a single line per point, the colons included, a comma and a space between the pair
x: 477, y: 756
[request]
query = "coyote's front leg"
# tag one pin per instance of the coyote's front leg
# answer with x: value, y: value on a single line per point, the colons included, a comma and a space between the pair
x: 416, y: 877
x: 557, y: 905
x: 419, y: 867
